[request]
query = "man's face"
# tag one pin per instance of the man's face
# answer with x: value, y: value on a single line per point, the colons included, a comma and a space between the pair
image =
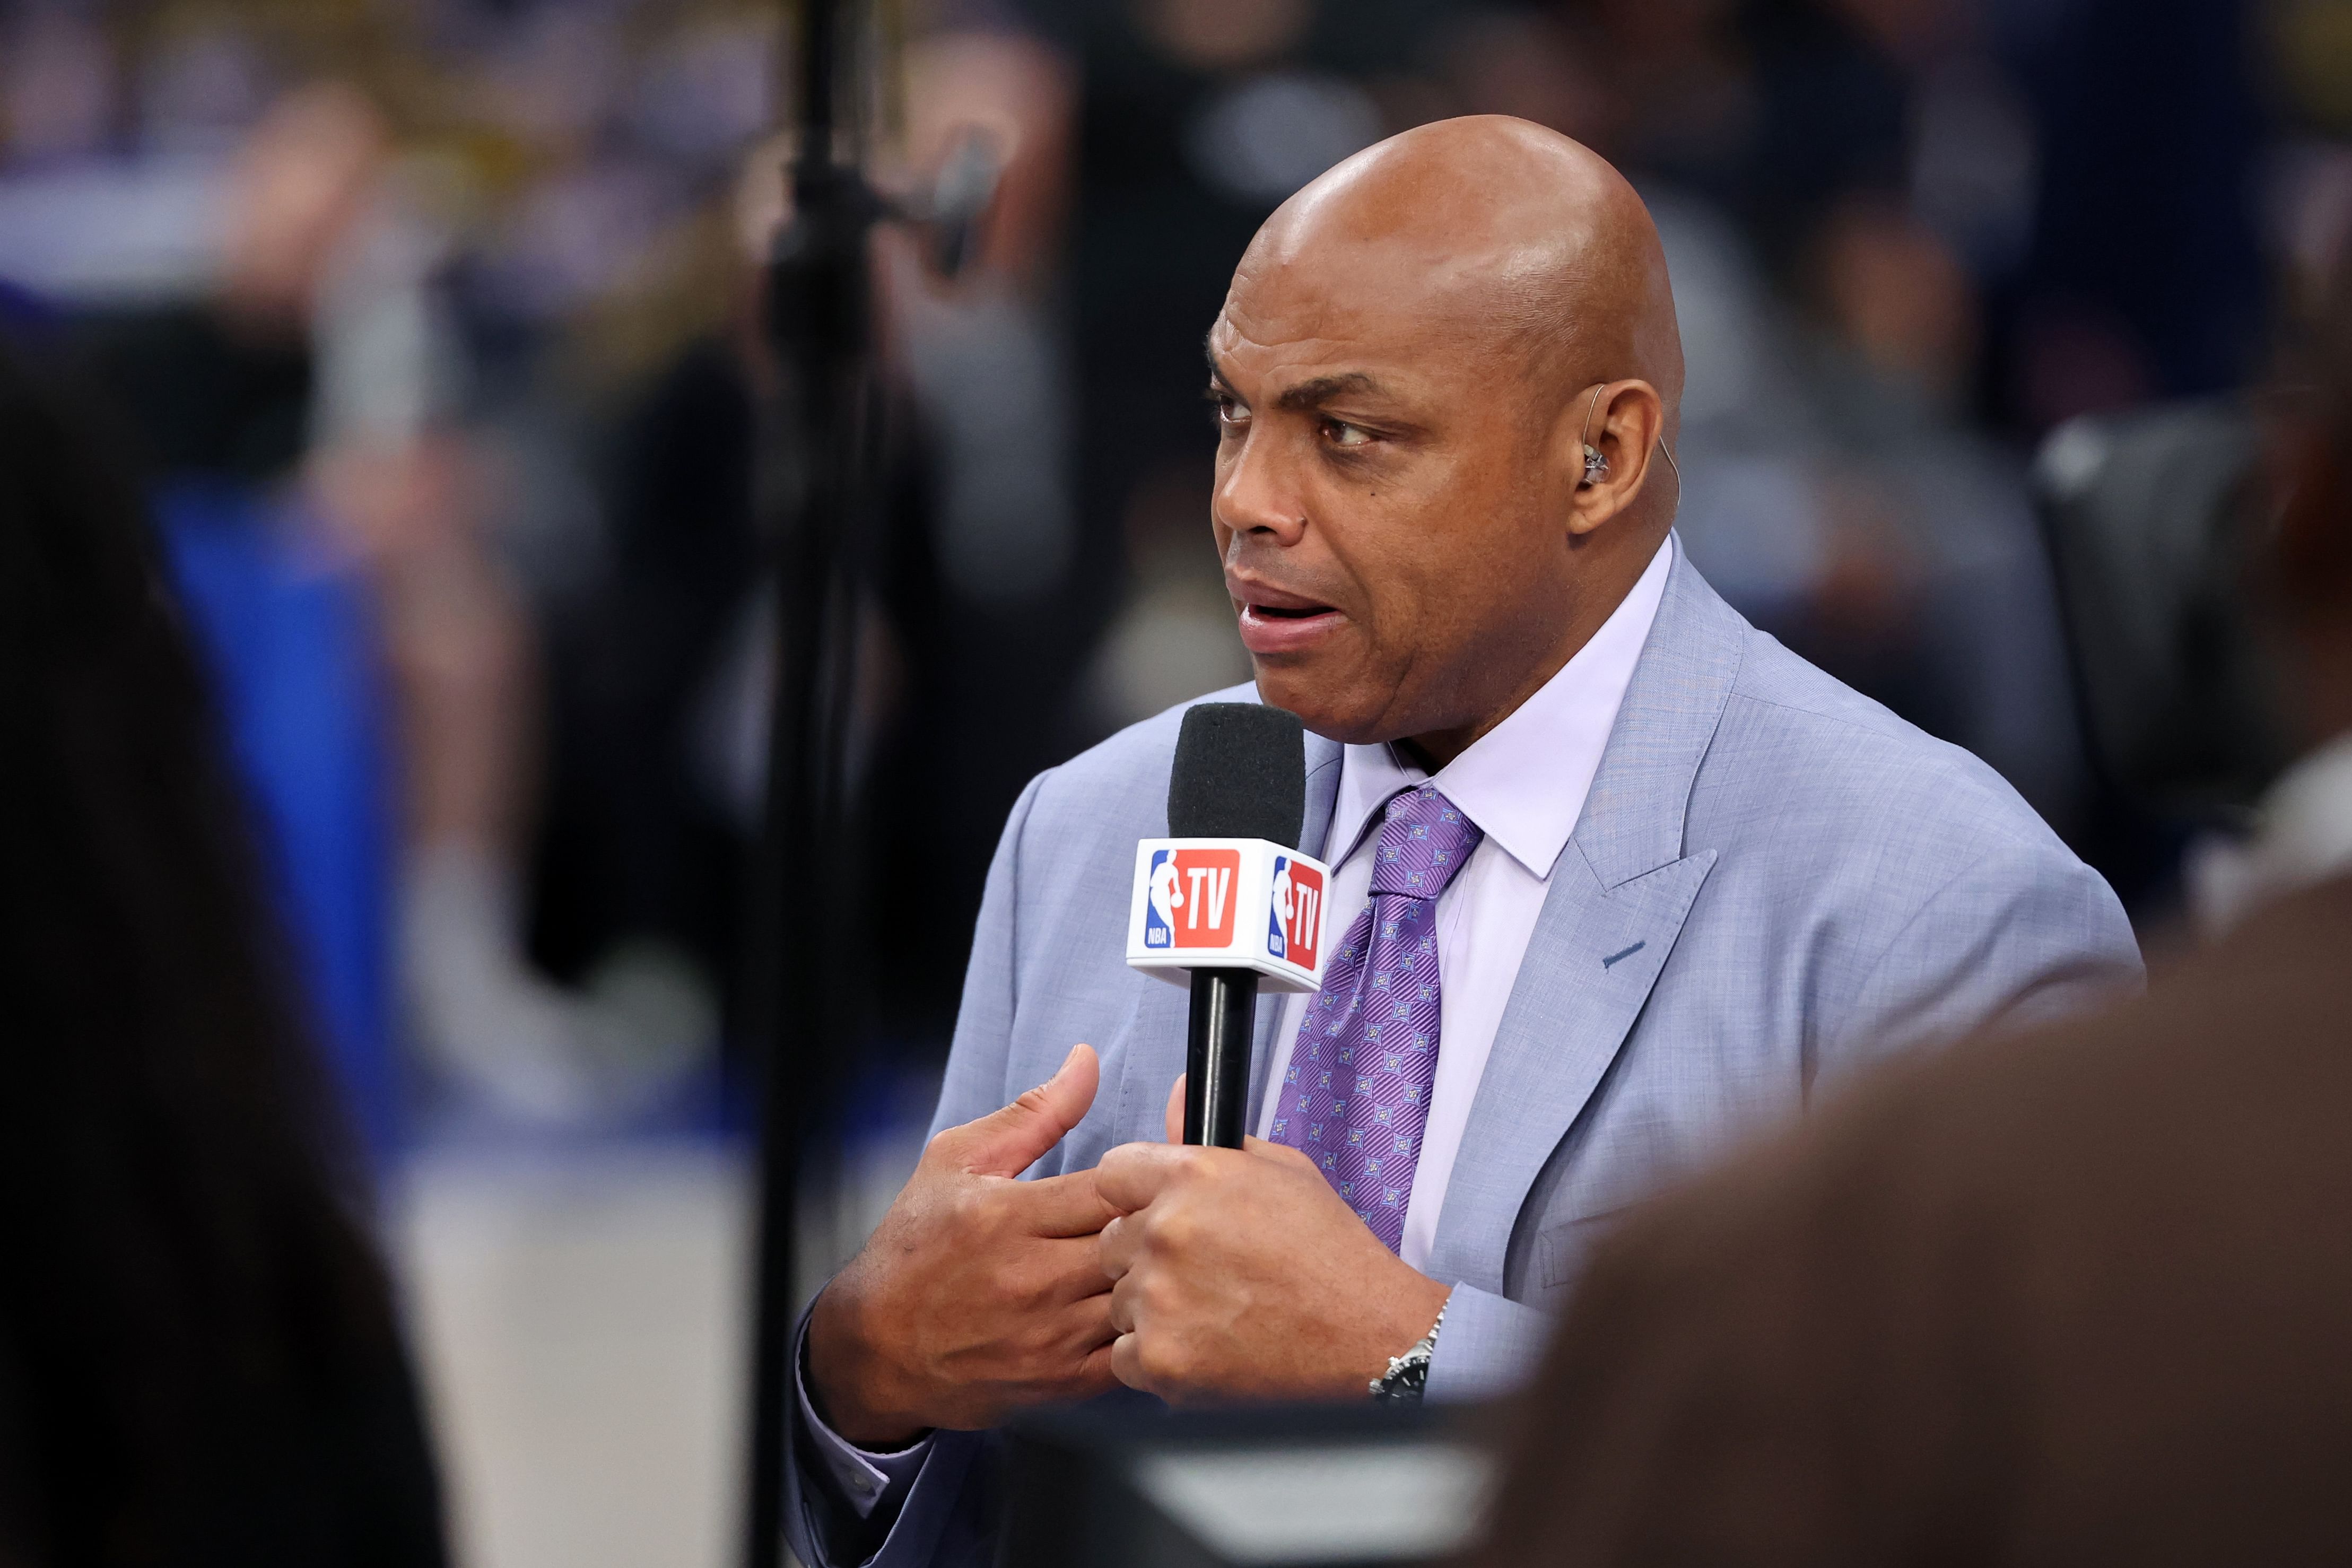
x: 1389, y: 504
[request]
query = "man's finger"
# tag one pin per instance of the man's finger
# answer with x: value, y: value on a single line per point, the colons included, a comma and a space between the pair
x: 1116, y: 1249
x: 1069, y: 1274
x: 1097, y: 1374
x: 1086, y: 1325
x: 1120, y: 1308
x: 1132, y: 1174
x: 1127, y: 1361
x: 1176, y: 1112
x: 1088, y: 1339
x: 1008, y: 1141
x: 1063, y: 1206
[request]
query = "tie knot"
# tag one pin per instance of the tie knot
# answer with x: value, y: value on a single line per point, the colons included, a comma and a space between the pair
x: 1424, y: 840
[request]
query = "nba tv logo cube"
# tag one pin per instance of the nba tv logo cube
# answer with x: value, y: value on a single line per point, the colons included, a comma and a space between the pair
x: 1228, y: 903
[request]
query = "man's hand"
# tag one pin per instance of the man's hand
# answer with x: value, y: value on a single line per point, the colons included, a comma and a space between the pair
x: 1242, y: 1275
x: 977, y: 1294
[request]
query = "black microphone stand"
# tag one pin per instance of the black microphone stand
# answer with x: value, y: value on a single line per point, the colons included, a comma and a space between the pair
x: 814, y: 493
x: 820, y: 445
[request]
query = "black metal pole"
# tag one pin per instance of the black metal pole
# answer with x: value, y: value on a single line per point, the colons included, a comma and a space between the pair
x: 819, y: 326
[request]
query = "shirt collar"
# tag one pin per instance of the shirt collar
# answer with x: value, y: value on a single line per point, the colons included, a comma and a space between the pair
x: 1522, y: 782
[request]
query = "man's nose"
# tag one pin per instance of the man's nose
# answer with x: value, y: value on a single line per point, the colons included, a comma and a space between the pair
x: 1257, y: 492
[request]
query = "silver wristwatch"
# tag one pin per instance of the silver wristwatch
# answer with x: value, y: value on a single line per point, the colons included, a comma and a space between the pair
x: 1408, y: 1375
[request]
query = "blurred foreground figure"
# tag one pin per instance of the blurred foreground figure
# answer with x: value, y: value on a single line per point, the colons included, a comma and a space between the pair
x: 198, y: 1358
x: 2078, y: 1297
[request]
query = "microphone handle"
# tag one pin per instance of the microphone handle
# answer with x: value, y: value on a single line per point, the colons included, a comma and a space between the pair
x: 1217, y: 1057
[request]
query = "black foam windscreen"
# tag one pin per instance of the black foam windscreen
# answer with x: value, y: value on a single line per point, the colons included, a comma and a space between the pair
x: 1240, y: 773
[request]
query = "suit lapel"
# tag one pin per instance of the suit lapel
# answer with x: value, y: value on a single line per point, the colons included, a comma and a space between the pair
x: 1619, y: 896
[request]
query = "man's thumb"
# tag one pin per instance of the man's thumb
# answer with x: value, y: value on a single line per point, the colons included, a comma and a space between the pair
x: 1008, y: 1141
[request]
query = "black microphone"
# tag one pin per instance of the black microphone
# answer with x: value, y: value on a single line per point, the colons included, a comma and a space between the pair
x: 1240, y: 773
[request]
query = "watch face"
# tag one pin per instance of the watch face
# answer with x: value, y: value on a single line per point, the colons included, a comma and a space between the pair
x: 1404, y: 1385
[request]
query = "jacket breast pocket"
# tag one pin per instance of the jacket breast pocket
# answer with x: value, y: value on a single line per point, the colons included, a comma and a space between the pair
x: 1562, y: 1251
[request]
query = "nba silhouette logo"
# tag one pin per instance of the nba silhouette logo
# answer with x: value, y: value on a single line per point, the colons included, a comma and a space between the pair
x: 1297, y: 913
x: 1159, y: 899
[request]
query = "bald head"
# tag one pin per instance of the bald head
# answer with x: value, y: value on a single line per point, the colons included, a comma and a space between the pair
x: 1442, y: 372
x: 1531, y: 246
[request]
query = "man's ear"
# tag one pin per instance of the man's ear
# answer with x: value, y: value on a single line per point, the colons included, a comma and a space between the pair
x: 1623, y: 421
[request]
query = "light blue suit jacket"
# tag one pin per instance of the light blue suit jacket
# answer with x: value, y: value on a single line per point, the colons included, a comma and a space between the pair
x: 1774, y: 880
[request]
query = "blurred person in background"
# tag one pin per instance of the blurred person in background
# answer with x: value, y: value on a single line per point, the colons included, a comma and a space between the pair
x: 200, y: 1362
x: 2077, y: 1296
x: 987, y: 359
x: 223, y: 389
x: 403, y: 489
x: 329, y: 517
x: 662, y: 659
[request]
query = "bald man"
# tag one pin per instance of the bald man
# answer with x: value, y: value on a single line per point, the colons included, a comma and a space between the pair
x: 1676, y: 880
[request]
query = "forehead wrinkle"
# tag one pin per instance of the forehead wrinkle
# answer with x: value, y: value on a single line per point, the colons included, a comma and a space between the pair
x: 1311, y: 345
x: 1317, y: 390
x: 1299, y: 306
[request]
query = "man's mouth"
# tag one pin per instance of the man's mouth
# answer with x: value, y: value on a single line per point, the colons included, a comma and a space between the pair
x: 1273, y: 602
x: 1274, y: 622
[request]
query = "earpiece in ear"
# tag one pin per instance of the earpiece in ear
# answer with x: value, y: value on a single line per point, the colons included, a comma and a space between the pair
x: 1596, y: 467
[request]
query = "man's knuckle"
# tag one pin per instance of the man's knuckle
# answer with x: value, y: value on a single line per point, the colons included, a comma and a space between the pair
x: 1165, y: 1360
x: 1035, y: 1291
x: 979, y: 1206
x: 1175, y: 1229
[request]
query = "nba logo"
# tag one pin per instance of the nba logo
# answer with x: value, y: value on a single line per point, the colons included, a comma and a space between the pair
x: 1189, y: 898
x: 1298, y: 909
x: 1159, y: 914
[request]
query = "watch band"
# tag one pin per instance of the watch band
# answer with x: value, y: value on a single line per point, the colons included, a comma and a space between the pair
x: 1408, y: 1375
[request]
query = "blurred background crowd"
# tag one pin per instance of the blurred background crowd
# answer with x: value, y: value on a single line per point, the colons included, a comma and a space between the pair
x: 430, y: 327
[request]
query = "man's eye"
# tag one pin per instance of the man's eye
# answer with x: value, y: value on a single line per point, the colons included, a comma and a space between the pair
x: 1231, y: 412
x: 1340, y: 433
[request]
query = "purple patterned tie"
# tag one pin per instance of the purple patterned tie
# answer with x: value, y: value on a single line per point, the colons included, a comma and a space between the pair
x: 1357, y: 1095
